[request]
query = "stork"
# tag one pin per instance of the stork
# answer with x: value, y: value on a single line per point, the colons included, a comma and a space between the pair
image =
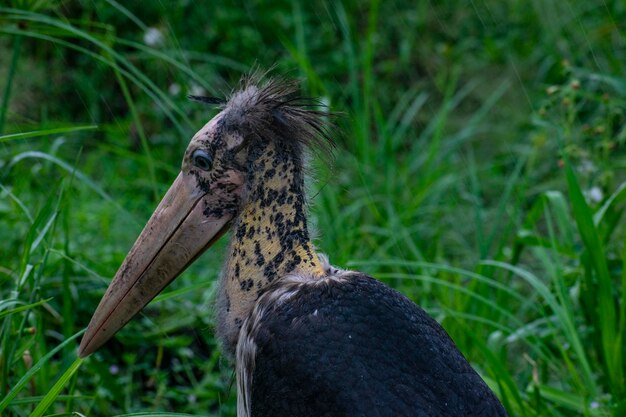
x: 308, y: 339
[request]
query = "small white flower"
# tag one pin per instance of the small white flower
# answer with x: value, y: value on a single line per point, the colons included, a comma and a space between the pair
x: 196, y: 90
x: 153, y: 37
x: 594, y: 194
x: 174, y: 89
x: 324, y: 103
x: 186, y: 352
x: 594, y: 405
x: 192, y: 398
x: 586, y: 167
x: 114, y: 369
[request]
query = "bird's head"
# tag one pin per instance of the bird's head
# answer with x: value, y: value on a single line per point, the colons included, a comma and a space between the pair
x: 215, y: 183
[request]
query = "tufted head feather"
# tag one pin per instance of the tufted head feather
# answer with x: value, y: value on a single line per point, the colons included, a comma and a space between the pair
x: 270, y: 108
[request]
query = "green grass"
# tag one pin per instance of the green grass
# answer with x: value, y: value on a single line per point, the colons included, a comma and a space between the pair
x: 479, y: 170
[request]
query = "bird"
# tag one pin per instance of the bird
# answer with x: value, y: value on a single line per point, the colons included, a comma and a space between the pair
x: 307, y: 338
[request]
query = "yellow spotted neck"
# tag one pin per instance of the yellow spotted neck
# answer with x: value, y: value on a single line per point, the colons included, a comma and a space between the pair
x: 269, y: 237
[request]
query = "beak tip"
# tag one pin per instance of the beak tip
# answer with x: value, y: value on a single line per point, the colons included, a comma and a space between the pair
x: 82, y: 353
x: 85, y: 349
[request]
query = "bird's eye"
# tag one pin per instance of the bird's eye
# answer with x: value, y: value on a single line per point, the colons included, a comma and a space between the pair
x: 201, y: 159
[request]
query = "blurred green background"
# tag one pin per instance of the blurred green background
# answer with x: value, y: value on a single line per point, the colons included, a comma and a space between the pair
x: 479, y: 169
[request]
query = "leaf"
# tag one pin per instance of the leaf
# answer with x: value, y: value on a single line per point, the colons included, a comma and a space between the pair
x: 49, y: 398
x: 604, y: 295
x: 32, y: 371
x: 46, y: 132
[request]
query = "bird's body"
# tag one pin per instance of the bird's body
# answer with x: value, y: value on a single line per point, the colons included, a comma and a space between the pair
x: 348, y: 345
x: 308, y: 339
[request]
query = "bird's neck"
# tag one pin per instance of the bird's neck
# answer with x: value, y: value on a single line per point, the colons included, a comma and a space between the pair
x: 269, y: 238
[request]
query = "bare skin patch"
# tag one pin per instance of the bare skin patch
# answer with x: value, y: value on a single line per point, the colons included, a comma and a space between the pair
x: 271, y: 239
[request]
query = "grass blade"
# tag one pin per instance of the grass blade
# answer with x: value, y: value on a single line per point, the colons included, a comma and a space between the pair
x: 23, y: 308
x: 4, y: 106
x: 46, y: 132
x: 32, y: 371
x: 51, y: 396
x: 603, y: 299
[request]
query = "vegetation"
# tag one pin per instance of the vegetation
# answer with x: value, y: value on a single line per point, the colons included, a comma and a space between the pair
x: 480, y: 171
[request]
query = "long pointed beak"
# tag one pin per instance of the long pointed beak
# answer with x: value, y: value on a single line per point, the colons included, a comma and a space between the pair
x: 186, y: 223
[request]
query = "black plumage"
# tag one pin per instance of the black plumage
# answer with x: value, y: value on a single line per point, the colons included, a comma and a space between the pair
x: 355, y: 347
